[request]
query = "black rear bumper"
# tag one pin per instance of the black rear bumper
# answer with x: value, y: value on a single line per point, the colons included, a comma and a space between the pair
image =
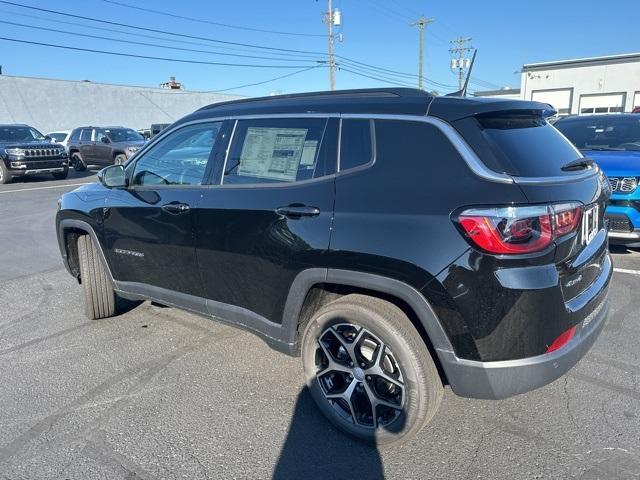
x: 505, y: 378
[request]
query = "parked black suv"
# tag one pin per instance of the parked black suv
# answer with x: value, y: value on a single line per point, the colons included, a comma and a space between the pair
x: 396, y: 241
x: 102, y: 146
x: 25, y: 151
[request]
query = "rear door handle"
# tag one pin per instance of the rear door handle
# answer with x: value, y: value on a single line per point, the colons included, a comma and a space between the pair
x: 297, y: 211
x: 176, y: 207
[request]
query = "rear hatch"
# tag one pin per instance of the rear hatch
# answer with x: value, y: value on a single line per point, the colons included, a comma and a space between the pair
x: 549, y: 170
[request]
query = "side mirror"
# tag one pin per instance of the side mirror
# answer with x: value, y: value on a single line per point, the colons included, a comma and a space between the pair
x: 105, y: 139
x: 113, y: 176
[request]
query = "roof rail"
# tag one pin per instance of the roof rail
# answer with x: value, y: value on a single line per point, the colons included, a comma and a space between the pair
x: 362, y: 92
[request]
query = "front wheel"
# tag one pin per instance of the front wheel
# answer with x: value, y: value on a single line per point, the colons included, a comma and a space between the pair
x: 61, y: 175
x: 369, y: 370
x: 5, y: 175
x: 99, y: 296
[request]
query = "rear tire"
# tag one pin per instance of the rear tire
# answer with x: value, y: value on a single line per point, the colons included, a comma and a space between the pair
x: 376, y: 355
x: 61, y: 175
x: 77, y: 162
x: 5, y: 175
x: 99, y: 297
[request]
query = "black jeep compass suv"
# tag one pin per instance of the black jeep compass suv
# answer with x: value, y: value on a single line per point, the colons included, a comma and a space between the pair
x: 397, y: 242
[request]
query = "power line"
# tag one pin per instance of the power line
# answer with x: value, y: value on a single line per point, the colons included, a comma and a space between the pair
x: 210, y: 22
x: 273, y: 50
x: 146, y: 44
x: 142, y: 35
x: 266, y: 81
x: 147, y: 57
x: 374, y: 78
x: 153, y: 30
x: 389, y: 11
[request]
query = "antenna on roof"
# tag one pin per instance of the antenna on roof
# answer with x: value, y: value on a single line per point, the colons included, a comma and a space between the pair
x: 463, y: 91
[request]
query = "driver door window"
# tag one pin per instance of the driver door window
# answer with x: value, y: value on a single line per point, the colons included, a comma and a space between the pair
x: 178, y: 159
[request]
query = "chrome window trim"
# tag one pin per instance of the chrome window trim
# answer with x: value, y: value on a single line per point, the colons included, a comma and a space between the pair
x: 466, y: 152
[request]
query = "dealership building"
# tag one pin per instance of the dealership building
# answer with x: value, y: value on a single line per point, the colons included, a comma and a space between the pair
x: 609, y: 84
x: 50, y: 105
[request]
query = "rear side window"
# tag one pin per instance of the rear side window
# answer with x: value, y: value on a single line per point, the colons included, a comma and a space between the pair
x: 518, y: 144
x: 277, y: 151
x: 356, y: 143
x: 86, y: 135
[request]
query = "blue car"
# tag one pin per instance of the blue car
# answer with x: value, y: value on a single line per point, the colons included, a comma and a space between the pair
x: 613, y: 142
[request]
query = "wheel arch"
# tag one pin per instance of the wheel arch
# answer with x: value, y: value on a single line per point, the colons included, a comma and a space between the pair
x: 69, y: 229
x: 314, y: 288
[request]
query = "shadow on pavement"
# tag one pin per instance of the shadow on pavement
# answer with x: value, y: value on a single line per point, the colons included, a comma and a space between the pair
x: 314, y: 449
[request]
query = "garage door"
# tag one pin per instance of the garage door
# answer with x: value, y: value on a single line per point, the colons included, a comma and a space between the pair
x: 559, y: 99
x: 605, y: 103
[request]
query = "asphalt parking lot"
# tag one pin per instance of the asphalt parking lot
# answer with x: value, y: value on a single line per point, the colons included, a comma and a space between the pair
x: 160, y: 394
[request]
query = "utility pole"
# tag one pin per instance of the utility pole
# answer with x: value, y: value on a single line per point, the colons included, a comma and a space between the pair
x: 421, y: 23
x: 331, y: 18
x: 459, y: 60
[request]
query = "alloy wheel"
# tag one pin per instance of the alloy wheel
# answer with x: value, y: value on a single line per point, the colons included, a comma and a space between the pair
x: 359, y: 376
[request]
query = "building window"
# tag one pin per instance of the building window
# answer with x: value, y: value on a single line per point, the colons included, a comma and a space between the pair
x: 602, y: 103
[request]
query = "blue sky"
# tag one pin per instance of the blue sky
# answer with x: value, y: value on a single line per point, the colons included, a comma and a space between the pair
x: 375, y: 32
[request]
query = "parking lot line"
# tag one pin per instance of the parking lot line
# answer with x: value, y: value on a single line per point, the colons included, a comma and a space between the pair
x: 625, y: 270
x: 44, y: 188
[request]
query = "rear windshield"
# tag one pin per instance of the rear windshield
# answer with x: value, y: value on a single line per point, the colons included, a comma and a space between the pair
x: 518, y: 144
x: 602, y: 132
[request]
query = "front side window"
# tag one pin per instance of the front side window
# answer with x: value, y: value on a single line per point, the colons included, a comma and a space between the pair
x: 19, y: 134
x: 75, y: 135
x: 602, y: 133
x: 85, y: 136
x: 356, y: 146
x: 178, y: 159
x: 276, y: 151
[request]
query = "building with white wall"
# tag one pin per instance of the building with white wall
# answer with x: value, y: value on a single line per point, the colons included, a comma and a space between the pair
x: 50, y: 105
x: 608, y: 84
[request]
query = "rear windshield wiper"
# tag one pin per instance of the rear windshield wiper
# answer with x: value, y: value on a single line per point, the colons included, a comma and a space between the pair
x: 577, y: 164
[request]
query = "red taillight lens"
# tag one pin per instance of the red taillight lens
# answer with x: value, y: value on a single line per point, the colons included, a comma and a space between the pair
x: 562, y: 340
x: 516, y: 230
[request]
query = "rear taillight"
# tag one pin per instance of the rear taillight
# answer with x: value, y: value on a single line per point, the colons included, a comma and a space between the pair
x: 517, y: 230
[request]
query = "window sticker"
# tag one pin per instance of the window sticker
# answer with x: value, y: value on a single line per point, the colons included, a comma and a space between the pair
x: 309, y: 153
x: 273, y: 153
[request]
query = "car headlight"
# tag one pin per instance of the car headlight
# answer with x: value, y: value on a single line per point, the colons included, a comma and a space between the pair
x: 15, y: 153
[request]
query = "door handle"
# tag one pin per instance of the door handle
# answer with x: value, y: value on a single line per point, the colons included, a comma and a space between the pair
x: 176, y: 207
x: 297, y: 211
